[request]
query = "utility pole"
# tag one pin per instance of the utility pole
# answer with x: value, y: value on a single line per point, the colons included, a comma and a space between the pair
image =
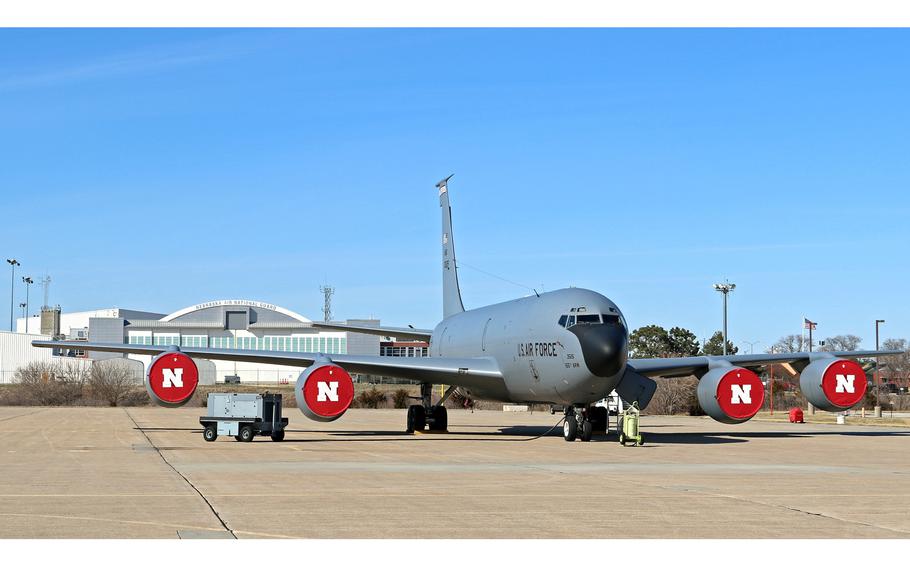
x: 13, y: 263
x: 28, y: 283
x: 878, y: 378
x: 725, y: 289
x: 327, y: 292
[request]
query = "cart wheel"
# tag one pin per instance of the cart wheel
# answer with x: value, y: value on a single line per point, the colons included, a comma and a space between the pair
x: 246, y: 434
x: 210, y: 434
x: 641, y: 440
x: 278, y: 436
x: 237, y: 437
x: 622, y: 439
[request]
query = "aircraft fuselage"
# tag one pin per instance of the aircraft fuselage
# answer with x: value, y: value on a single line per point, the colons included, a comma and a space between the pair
x: 541, y: 356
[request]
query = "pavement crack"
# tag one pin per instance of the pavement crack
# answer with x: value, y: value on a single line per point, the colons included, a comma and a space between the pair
x: 178, y: 472
x: 22, y: 415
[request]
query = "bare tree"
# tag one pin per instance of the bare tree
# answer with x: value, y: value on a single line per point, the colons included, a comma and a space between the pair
x: 895, y: 367
x: 111, y: 380
x: 790, y: 344
x: 51, y: 384
x: 841, y: 343
x: 674, y: 396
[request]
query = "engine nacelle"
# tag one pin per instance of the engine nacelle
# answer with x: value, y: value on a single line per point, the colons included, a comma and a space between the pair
x: 833, y: 384
x: 731, y: 394
x: 172, y: 379
x: 324, y: 391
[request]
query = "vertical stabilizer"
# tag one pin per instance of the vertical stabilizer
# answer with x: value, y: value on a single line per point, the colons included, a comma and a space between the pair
x: 451, y: 294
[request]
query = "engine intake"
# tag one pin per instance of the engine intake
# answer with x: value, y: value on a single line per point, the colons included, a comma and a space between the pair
x: 324, y: 391
x: 731, y: 394
x: 172, y: 379
x: 833, y: 384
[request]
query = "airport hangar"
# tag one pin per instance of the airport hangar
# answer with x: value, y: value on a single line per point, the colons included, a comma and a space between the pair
x: 226, y: 324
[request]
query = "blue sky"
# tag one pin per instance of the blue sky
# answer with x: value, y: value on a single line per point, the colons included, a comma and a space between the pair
x: 154, y: 169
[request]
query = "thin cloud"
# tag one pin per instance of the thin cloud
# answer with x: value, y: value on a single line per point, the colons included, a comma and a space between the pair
x: 149, y: 60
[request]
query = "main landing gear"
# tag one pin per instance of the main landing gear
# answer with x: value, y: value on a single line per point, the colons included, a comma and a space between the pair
x: 427, y: 416
x: 584, y: 423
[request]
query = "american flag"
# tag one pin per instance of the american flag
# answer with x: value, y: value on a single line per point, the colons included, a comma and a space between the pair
x: 809, y: 324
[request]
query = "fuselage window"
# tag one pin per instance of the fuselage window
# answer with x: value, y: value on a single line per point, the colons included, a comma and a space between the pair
x: 562, y: 321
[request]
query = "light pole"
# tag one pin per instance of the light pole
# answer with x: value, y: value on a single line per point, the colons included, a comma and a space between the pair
x: 751, y: 345
x: 28, y: 282
x: 810, y: 325
x: 13, y: 263
x: 725, y: 289
x: 771, y: 382
x: 23, y: 305
x: 878, y: 379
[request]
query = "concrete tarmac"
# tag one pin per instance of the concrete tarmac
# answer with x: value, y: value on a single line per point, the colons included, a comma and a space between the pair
x: 147, y: 473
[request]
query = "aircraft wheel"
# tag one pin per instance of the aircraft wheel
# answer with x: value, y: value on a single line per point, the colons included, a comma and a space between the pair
x: 440, y: 419
x: 417, y: 418
x: 587, y: 429
x: 278, y: 436
x: 570, y: 428
x: 210, y: 434
x: 246, y: 434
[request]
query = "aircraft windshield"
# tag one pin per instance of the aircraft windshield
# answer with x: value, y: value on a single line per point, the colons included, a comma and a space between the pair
x: 568, y: 321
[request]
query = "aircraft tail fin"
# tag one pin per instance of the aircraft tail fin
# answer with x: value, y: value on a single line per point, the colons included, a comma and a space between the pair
x: 451, y: 294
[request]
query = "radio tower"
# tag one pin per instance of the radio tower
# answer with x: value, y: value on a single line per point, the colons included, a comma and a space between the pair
x: 327, y: 292
x: 46, y: 283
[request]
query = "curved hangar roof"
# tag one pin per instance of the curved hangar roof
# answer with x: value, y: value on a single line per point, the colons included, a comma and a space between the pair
x: 230, y: 314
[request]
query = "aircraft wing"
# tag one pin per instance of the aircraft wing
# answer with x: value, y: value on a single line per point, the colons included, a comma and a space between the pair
x: 476, y: 372
x: 397, y: 332
x: 685, y: 366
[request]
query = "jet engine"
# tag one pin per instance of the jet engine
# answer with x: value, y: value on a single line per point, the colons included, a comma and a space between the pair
x: 833, y: 384
x: 171, y: 379
x: 730, y: 394
x: 324, y: 391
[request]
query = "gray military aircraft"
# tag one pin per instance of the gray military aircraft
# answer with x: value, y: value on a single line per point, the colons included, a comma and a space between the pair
x: 568, y: 347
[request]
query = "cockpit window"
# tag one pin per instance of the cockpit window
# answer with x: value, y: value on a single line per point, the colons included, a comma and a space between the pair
x: 568, y: 321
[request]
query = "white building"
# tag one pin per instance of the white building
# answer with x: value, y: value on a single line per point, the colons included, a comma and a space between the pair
x: 225, y: 324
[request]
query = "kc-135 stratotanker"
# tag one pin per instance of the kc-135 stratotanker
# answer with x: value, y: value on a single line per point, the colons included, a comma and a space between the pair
x: 568, y: 347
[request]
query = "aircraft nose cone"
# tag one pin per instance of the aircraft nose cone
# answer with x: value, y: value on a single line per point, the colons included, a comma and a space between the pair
x: 603, y: 346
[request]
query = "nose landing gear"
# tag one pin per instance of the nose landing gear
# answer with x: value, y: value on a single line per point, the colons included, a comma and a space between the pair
x: 584, y: 423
